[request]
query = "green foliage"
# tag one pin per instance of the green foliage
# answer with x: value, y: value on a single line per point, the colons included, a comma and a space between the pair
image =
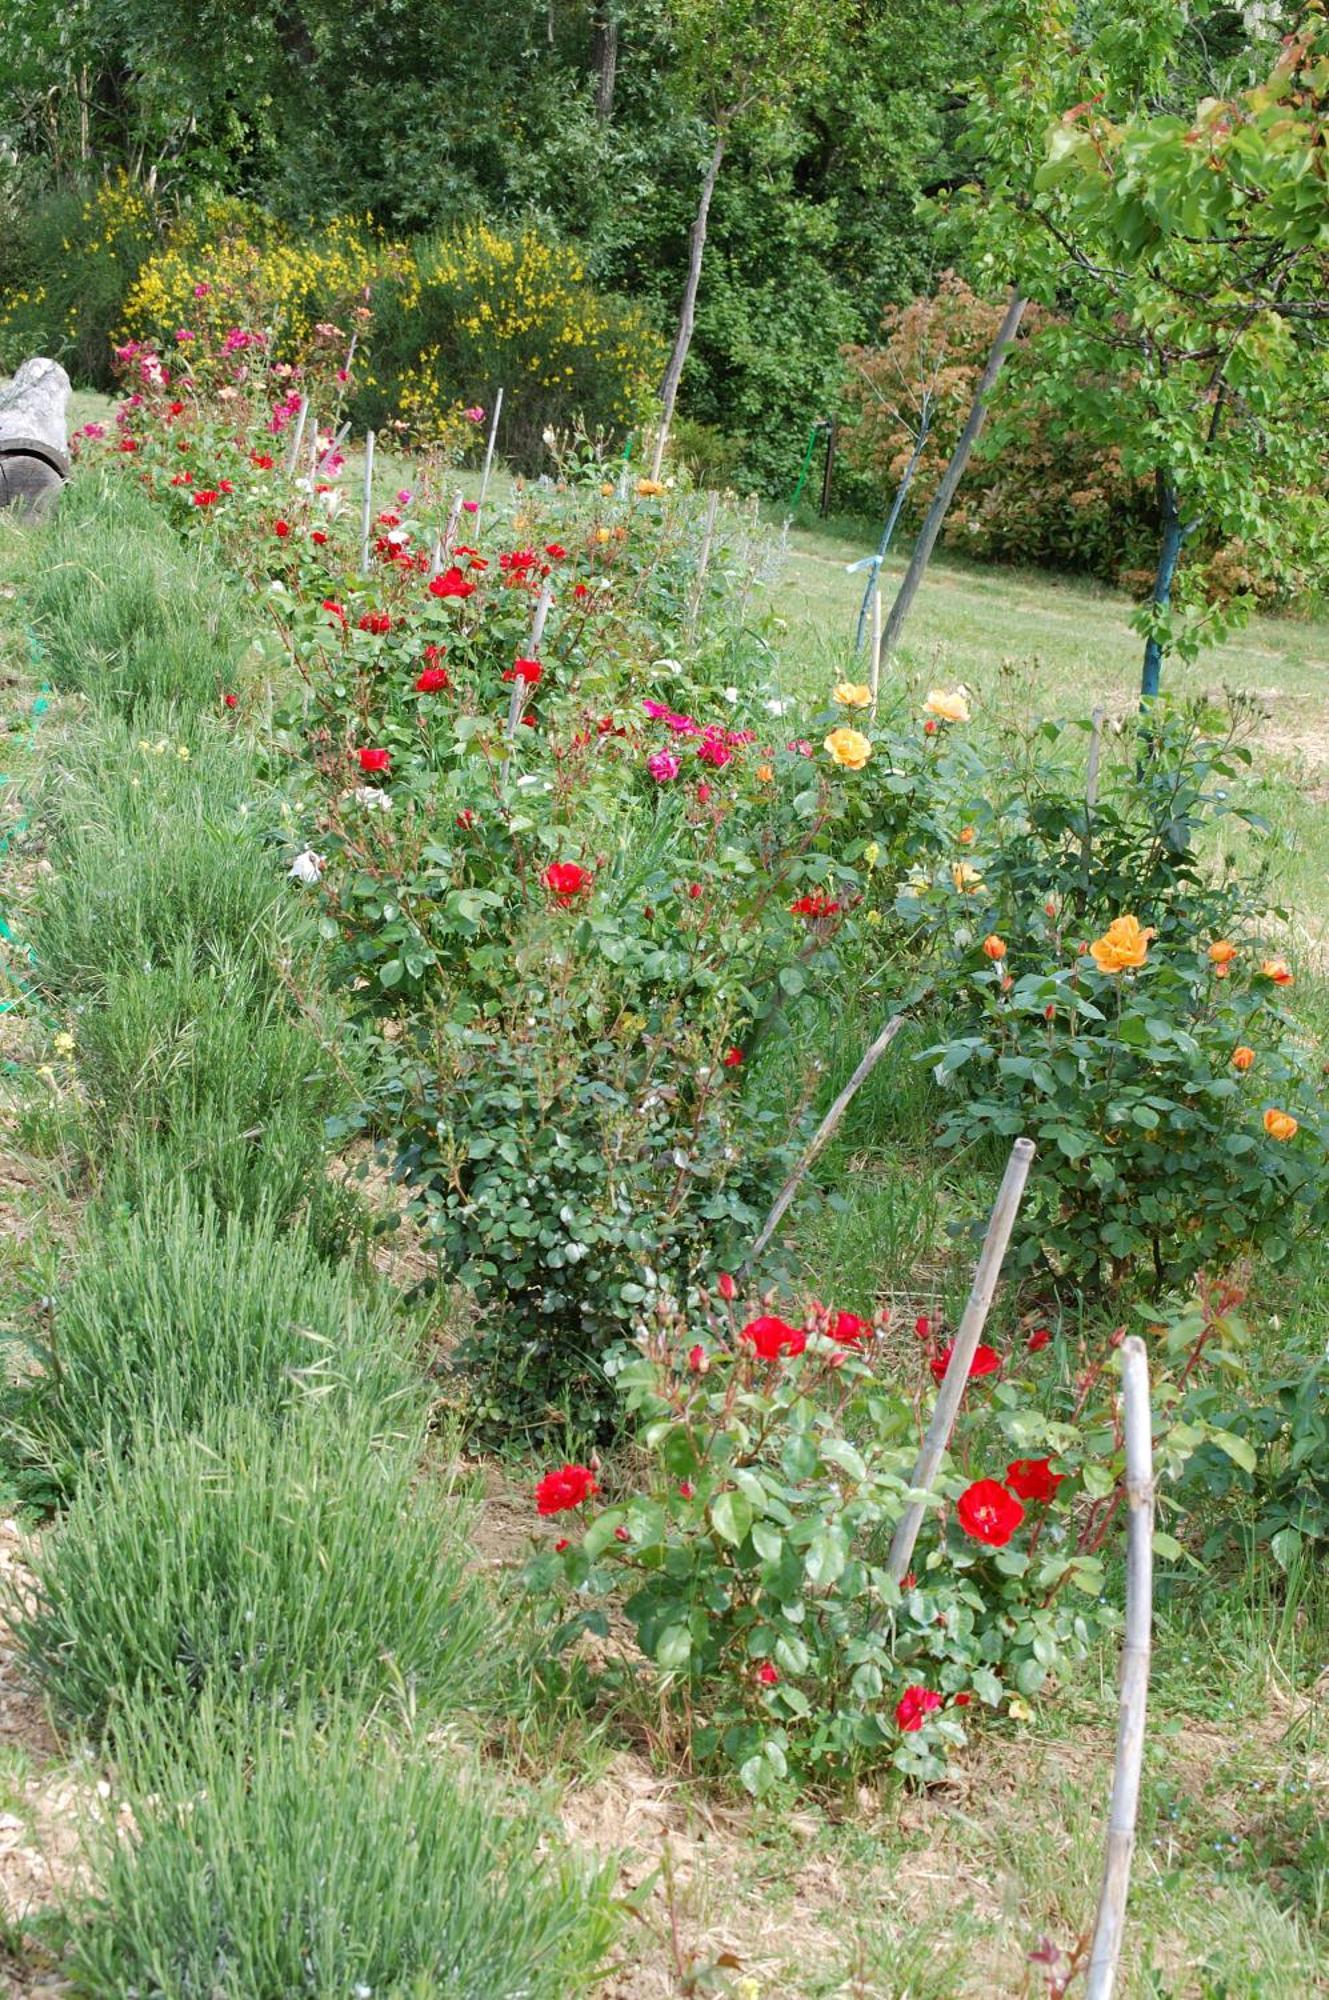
x: 1183, y: 250
x: 291, y: 1853
x: 275, y: 1565
x: 1130, y: 1072
x: 68, y: 258
x: 173, y: 1315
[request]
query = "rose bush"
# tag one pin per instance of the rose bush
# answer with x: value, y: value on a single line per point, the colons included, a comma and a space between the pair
x: 773, y: 1461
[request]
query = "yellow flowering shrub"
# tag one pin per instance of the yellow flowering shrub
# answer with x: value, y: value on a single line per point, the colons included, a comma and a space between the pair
x: 64, y: 272
x: 479, y: 308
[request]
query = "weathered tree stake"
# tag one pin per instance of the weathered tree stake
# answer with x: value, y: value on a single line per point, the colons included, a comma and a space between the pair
x: 1108, y: 1930
x: 944, y: 1410
x: 367, y: 504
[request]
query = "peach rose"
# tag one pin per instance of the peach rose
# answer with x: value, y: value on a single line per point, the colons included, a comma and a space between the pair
x: 1123, y: 945
x: 848, y: 748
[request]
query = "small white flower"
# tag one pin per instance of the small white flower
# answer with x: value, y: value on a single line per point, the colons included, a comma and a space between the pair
x: 373, y: 798
x: 307, y: 868
x: 332, y: 502
x: 778, y: 705
x: 731, y: 695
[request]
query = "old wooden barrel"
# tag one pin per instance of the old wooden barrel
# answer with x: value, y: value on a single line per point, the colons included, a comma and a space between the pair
x: 34, y: 463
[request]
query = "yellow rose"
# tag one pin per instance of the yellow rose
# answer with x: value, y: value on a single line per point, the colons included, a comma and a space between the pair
x: 852, y: 694
x: 950, y: 707
x: 1122, y: 946
x: 648, y: 488
x: 1280, y: 1124
x: 966, y: 877
x: 849, y: 748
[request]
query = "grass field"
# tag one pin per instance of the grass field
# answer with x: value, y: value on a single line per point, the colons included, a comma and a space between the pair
x: 931, y: 1894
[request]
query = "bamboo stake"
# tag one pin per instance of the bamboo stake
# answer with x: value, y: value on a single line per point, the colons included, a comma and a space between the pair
x: 1090, y: 801
x: 293, y: 458
x: 944, y: 1410
x: 489, y: 452
x: 824, y: 1133
x: 874, y: 677
x: 519, y: 687
x: 367, y: 504
x: 703, y: 561
x: 454, y: 515
x: 1111, y: 1922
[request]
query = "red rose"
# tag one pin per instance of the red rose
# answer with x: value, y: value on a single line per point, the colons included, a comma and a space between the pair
x: 259, y: 458
x: 317, y: 535
x: 565, y: 879
x: 686, y: 1489
x: 375, y: 621
x: 225, y: 486
x: 570, y: 1486
x: 1033, y: 1478
x: 556, y: 550
x: 732, y: 1058
x: 772, y: 1337
x: 1038, y: 1338
x: 986, y: 1361
x: 923, y: 1327
x: 622, y: 1535
x: 817, y: 904
x: 726, y: 1287
x: 525, y: 670
x: 768, y: 1675
x: 451, y: 584
x: 374, y: 760
x: 703, y: 794
x: 561, y: 1544
x: 988, y: 1513
x: 231, y: 700
x: 913, y: 1705
x: 281, y: 529
x: 697, y: 1359
x: 849, y: 1330
x: 334, y: 610
x: 432, y: 681
x: 205, y: 497
x: 961, y: 1700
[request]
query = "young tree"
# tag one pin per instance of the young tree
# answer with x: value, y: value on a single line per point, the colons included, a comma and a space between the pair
x: 1185, y: 258
x: 741, y: 63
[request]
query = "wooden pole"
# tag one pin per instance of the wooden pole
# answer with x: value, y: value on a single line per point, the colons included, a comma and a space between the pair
x: 825, y: 1132
x: 954, y: 473
x: 293, y: 456
x: 828, y: 470
x: 489, y: 453
x: 874, y: 677
x: 703, y: 561
x: 518, y: 701
x: 947, y: 1405
x: 1105, y: 1954
x: 367, y: 504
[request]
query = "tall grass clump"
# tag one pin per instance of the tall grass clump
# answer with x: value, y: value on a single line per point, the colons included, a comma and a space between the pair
x: 125, y: 614
x: 151, y: 852
x: 277, y: 1564
x: 205, y: 1071
x: 173, y: 1313
x: 287, y: 1854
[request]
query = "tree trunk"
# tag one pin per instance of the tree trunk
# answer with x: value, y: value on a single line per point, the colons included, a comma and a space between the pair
x: 954, y: 473
x: 604, y: 54
x: 1169, y: 554
x: 688, y: 312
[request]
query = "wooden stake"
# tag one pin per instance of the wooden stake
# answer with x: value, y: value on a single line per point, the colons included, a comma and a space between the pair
x: 703, y: 561
x: 944, y: 1410
x: 367, y: 504
x: 825, y: 1132
x: 293, y: 457
x: 489, y: 452
x: 874, y: 677
x: 1106, y: 1952
x: 1090, y: 801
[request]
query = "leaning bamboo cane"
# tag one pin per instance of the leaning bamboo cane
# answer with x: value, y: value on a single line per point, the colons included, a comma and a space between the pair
x: 874, y: 678
x: 703, y: 561
x: 825, y: 1132
x: 519, y: 686
x: 944, y: 1410
x: 1106, y: 1952
x: 293, y: 459
x: 489, y: 453
x: 367, y: 504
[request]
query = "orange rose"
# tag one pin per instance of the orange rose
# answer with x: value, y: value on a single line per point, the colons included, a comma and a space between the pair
x: 765, y: 772
x: 1123, y: 945
x: 1276, y: 969
x: 1280, y: 1124
x: 649, y: 488
x: 1243, y: 1057
x: 966, y: 836
x: 1222, y: 952
x: 848, y: 748
x: 994, y: 946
